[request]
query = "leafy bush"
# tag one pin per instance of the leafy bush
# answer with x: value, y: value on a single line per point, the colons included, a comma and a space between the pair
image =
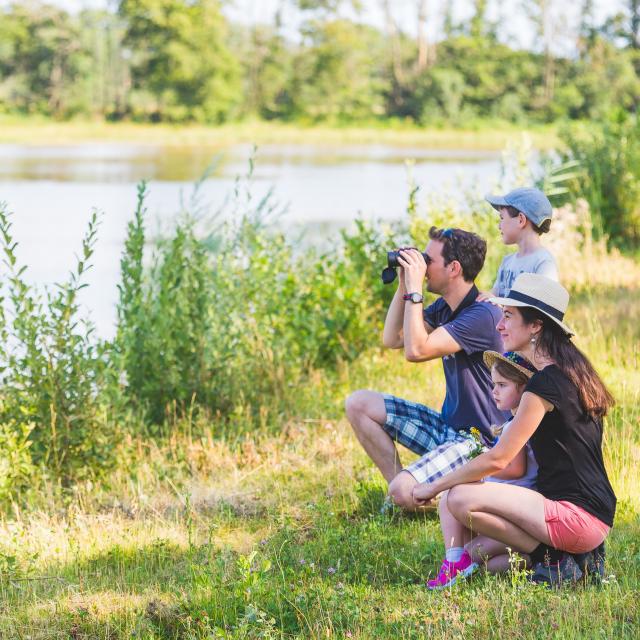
x: 16, y: 465
x: 609, y: 155
x: 52, y: 369
x: 232, y: 320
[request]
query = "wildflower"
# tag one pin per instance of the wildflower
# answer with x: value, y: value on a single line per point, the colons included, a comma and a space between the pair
x: 302, y: 561
x: 479, y: 445
x: 331, y: 570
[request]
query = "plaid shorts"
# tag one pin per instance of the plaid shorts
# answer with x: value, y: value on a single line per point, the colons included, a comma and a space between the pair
x: 423, y: 431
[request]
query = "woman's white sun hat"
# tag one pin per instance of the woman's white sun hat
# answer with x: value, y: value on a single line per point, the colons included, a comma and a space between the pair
x: 541, y: 293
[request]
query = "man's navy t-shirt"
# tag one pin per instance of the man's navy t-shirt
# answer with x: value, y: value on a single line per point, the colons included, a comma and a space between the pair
x: 468, y: 402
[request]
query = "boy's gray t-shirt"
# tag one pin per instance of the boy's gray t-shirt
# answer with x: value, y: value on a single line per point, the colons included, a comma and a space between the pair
x: 540, y: 261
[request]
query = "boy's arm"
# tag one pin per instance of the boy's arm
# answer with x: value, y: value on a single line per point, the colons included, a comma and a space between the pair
x: 515, y: 469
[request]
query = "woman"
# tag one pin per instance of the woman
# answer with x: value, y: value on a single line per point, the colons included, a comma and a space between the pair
x: 561, y: 413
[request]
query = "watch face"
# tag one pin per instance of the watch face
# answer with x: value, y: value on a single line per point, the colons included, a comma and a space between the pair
x: 416, y: 297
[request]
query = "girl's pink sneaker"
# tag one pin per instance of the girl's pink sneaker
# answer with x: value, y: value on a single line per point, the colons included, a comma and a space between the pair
x: 452, y: 571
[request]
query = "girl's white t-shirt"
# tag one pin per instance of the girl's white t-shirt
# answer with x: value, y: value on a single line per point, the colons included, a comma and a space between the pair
x: 528, y: 480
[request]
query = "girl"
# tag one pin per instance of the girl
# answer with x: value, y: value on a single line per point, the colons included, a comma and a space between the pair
x: 510, y: 373
x: 561, y: 411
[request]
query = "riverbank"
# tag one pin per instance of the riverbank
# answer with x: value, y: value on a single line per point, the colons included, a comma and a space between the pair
x: 35, y: 131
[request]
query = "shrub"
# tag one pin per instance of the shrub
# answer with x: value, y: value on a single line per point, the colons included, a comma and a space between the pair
x: 609, y: 155
x: 52, y: 369
x: 232, y: 321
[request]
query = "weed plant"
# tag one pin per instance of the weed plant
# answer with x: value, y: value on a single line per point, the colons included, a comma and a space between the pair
x: 52, y: 372
x: 230, y: 322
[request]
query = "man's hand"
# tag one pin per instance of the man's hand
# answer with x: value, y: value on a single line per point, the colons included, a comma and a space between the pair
x: 414, y: 269
x: 423, y: 494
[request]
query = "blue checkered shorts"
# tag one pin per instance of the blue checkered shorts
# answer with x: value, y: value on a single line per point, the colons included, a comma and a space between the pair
x: 423, y: 431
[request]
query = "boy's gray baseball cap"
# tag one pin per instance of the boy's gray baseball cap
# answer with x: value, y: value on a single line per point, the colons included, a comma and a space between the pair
x: 532, y: 202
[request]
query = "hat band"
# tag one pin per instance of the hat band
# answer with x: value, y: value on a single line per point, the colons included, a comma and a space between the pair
x: 534, y: 302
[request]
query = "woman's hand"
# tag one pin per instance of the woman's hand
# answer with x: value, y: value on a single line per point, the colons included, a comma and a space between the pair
x: 424, y: 493
x: 414, y: 269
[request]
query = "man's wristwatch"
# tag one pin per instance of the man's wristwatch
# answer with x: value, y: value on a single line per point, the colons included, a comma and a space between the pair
x: 414, y: 297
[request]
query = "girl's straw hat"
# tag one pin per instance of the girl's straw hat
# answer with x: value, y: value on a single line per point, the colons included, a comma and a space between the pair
x: 541, y: 293
x: 511, y: 358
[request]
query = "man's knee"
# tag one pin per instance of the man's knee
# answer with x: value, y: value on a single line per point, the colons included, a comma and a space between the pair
x: 401, y: 490
x: 364, y: 403
x: 355, y: 404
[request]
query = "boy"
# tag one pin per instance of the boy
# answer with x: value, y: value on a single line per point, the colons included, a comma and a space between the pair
x: 525, y: 214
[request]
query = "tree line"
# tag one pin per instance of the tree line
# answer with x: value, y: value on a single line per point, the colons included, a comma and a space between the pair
x: 180, y: 61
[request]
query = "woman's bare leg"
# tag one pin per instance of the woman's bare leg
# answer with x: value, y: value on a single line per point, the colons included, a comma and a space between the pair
x: 453, y: 533
x: 507, y: 513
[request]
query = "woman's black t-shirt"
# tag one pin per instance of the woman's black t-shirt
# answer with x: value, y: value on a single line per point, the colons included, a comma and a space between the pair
x: 568, y: 448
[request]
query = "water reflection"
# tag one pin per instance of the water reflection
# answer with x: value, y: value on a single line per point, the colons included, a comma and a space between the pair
x: 52, y: 190
x: 116, y: 162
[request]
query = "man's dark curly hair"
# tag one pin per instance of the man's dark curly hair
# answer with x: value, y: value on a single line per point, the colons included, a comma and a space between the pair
x: 469, y: 249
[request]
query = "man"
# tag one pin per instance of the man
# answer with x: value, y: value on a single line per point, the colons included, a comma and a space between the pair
x: 455, y: 328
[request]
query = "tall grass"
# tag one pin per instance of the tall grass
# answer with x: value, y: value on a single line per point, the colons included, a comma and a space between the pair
x: 52, y: 373
x: 608, y: 155
x: 230, y: 322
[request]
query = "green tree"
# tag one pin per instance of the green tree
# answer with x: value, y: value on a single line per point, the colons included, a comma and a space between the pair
x: 41, y: 60
x: 337, y: 75
x: 181, y: 59
x: 267, y: 60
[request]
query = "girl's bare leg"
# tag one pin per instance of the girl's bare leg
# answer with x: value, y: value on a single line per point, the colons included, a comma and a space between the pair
x: 453, y: 533
x: 494, y: 555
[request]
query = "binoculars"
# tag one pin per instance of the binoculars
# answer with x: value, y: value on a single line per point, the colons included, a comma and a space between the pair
x: 389, y: 272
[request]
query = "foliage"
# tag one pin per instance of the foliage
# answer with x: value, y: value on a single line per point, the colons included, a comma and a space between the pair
x: 181, y: 58
x: 609, y: 158
x: 176, y: 61
x: 51, y: 369
x: 41, y: 60
x: 336, y: 74
x: 227, y: 321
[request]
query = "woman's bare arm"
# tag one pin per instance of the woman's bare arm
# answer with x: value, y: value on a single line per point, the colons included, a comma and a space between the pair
x: 530, y: 413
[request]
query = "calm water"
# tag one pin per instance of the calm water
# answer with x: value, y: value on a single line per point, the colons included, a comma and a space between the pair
x: 52, y: 190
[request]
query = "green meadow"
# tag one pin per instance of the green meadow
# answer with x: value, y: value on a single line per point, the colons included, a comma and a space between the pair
x: 279, y: 535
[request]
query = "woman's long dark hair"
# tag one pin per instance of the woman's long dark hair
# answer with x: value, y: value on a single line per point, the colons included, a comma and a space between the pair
x: 553, y: 342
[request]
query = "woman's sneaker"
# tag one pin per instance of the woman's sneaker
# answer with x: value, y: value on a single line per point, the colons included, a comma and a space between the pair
x: 452, y: 571
x: 559, y: 573
x: 592, y: 564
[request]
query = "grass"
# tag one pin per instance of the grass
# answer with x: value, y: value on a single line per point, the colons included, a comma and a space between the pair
x: 221, y: 535
x: 36, y: 131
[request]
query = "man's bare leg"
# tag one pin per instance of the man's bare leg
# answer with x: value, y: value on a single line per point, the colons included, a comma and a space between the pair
x: 366, y: 413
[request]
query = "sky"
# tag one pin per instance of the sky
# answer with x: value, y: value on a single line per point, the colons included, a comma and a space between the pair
x: 510, y: 14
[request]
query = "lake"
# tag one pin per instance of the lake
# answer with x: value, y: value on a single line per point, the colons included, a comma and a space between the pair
x: 53, y: 189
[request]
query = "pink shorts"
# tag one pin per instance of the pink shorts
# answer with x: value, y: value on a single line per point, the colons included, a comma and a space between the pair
x: 571, y: 528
